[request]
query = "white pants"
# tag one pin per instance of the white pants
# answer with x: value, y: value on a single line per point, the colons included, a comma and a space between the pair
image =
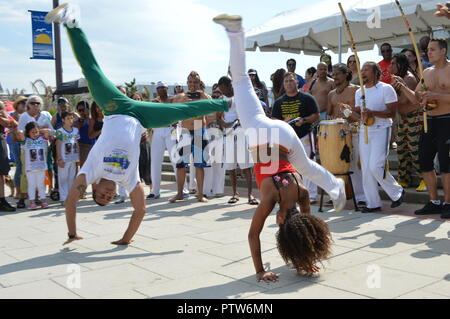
x: 357, y: 174
x: 66, y: 176
x: 236, y: 152
x: 373, y: 159
x: 162, y: 140
x: 36, y: 180
x: 254, y: 120
x: 215, y: 175
x: 122, y: 192
x: 309, y: 185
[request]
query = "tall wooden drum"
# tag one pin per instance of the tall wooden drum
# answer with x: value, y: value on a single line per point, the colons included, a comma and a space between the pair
x: 335, y: 148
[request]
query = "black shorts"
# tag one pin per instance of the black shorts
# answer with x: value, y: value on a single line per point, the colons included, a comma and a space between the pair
x: 435, y: 142
x: 4, y: 161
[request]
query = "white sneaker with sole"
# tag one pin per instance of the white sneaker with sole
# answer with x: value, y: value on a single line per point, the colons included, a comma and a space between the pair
x: 232, y: 23
x: 65, y: 13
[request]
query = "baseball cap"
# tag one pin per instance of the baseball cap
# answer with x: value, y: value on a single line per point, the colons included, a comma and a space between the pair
x: 161, y: 84
x: 252, y: 71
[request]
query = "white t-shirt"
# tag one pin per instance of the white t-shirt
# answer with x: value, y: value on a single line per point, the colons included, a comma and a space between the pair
x: 231, y: 115
x: 376, y: 99
x: 35, y: 154
x: 69, y: 144
x: 115, y: 155
x: 44, y: 120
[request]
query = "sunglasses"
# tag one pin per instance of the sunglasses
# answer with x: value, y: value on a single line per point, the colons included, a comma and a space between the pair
x: 35, y: 103
x: 352, y: 61
x: 291, y: 64
x: 386, y: 51
x: 80, y: 110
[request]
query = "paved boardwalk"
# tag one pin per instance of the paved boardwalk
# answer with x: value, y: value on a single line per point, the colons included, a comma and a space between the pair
x: 195, y: 250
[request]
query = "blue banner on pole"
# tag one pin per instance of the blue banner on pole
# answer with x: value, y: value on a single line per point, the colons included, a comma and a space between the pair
x: 42, y: 36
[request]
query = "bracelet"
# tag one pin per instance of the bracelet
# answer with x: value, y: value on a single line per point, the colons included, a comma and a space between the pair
x: 71, y: 236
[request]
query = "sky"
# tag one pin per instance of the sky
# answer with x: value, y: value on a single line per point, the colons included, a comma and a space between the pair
x: 147, y: 40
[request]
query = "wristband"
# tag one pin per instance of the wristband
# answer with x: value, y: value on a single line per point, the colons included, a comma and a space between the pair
x: 347, y: 113
x: 71, y: 236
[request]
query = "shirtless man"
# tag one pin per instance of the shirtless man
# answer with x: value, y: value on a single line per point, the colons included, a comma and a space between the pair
x: 197, y: 130
x: 435, y: 141
x: 340, y: 99
x: 321, y: 87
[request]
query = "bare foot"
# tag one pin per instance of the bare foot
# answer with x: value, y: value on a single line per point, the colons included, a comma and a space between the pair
x: 202, y: 199
x: 176, y: 198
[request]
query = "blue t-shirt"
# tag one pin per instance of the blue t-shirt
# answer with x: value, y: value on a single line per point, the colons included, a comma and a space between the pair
x: 301, y: 81
x: 84, y: 137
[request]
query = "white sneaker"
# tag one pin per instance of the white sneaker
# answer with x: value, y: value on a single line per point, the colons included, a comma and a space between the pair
x: 232, y: 23
x: 340, y: 202
x: 64, y: 13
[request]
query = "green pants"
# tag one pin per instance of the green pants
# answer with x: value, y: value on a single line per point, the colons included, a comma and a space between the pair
x: 112, y: 101
x: 409, y: 128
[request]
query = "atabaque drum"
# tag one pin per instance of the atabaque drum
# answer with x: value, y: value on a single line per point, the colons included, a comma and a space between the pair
x: 335, y: 148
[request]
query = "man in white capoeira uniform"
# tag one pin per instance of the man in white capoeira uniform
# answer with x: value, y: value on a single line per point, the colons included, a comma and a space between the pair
x: 263, y: 131
x: 381, y: 102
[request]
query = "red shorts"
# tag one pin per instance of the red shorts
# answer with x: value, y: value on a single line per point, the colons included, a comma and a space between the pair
x: 275, y: 168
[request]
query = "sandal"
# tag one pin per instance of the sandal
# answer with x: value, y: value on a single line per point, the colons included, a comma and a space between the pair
x: 233, y: 200
x: 253, y: 201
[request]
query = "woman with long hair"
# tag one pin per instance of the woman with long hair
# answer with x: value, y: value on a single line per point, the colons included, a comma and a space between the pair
x: 259, y: 86
x: 309, y: 77
x: 277, y: 83
x: 410, y: 124
x: 278, y: 153
x: 96, y: 123
x: 351, y: 64
x: 412, y: 60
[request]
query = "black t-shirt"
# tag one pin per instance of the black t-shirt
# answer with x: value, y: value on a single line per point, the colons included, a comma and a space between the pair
x: 300, y: 105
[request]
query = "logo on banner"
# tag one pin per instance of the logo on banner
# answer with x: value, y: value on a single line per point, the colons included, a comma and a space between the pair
x: 42, y: 36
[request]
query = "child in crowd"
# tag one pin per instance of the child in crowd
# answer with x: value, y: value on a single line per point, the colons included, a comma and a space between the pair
x: 67, y: 154
x: 35, y: 148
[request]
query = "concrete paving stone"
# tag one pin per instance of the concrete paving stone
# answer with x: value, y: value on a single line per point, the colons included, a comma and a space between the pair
x: 18, y: 230
x: 378, y: 242
x: 182, y: 265
x: 51, y: 238
x: 226, y: 236
x: 239, y: 251
x: 374, y: 280
x: 344, y: 257
x: 421, y: 294
x: 59, y: 225
x: 208, y: 285
x: 307, y: 290
x: 6, y: 259
x: 42, y: 251
x: 442, y: 287
x: 117, y: 228
x: 33, y: 269
x: 418, y: 262
x: 175, y: 230
x: 14, y: 243
x: 423, y: 229
x: 184, y: 243
x: 246, y: 272
x: 43, y: 289
x: 102, y: 255
x: 438, y: 246
x: 113, y: 282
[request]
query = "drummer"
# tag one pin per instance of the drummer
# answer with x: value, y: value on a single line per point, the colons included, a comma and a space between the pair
x: 341, y: 105
x: 294, y: 104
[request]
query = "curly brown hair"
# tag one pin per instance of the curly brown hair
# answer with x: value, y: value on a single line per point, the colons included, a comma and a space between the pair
x: 303, y: 240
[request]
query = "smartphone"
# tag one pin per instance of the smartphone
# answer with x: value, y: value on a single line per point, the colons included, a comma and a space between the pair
x: 194, y: 95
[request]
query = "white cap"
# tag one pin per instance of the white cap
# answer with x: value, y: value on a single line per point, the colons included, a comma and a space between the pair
x: 161, y: 84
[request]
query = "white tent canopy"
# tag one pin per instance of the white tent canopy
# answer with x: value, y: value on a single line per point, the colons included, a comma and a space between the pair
x: 317, y: 27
